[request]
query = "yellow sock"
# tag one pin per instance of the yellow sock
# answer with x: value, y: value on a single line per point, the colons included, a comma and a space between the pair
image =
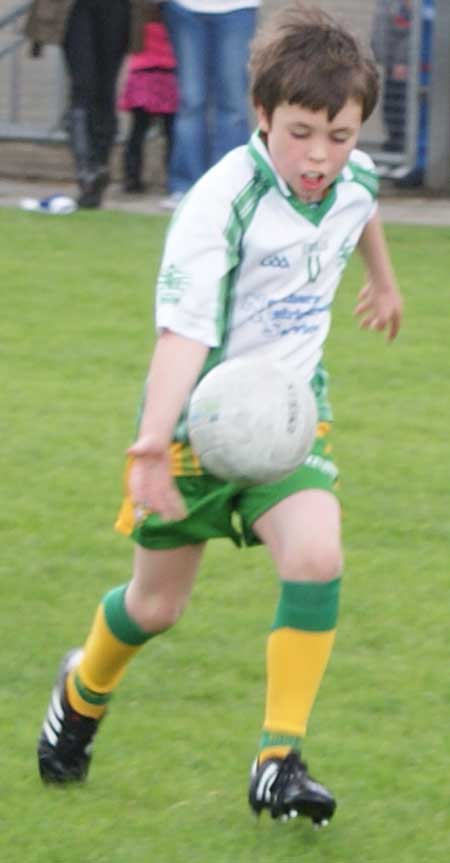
x: 113, y: 640
x: 298, y: 651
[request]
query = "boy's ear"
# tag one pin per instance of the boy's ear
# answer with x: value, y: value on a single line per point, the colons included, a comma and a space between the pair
x: 263, y: 119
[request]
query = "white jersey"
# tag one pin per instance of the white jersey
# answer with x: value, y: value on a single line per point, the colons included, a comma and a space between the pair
x: 249, y: 268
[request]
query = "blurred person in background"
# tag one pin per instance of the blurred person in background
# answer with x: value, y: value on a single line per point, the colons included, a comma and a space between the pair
x: 391, y: 44
x: 415, y: 176
x: 211, y: 42
x: 149, y: 93
x: 95, y: 36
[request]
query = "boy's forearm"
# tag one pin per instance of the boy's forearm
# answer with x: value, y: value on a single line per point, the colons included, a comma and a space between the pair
x: 374, y: 251
x: 176, y: 364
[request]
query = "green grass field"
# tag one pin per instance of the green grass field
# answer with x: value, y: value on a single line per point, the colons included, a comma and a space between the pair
x: 169, y: 778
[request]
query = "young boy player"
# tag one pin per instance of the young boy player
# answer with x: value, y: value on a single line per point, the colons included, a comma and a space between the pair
x: 251, y: 264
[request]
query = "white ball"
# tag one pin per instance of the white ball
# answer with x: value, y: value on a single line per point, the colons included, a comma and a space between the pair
x: 252, y: 420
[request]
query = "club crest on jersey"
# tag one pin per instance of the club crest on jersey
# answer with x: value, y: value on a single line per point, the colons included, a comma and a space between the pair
x: 314, y: 263
x: 171, y: 285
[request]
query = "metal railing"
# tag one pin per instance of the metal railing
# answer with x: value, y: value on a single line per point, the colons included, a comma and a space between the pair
x: 11, y: 18
x: 32, y: 92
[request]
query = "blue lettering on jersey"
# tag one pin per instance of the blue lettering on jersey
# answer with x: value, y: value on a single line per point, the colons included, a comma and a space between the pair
x: 296, y: 313
x: 278, y: 261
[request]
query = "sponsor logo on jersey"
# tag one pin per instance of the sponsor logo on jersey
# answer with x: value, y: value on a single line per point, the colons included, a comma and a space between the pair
x: 278, y: 261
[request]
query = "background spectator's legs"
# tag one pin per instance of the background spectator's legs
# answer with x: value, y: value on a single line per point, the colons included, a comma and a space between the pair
x: 95, y: 44
x: 79, y: 50
x: 231, y: 34
x: 189, y: 156
x: 111, y: 29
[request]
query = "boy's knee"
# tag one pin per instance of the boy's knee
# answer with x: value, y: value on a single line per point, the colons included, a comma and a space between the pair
x: 315, y: 562
x: 156, y: 615
x: 164, y: 616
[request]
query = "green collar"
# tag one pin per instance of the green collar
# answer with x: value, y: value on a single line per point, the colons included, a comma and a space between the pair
x: 314, y: 213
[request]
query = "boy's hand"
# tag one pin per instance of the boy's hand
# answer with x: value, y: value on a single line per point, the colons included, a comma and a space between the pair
x: 151, y: 485
x: 380, y: 309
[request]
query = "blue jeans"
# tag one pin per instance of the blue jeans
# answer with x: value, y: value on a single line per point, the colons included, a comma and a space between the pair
x: 212, y: 51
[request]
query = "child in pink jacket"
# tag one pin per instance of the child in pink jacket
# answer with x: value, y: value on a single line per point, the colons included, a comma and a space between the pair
x: 149, y: 92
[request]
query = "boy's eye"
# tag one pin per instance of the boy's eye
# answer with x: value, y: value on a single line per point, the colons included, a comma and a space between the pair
x: 300, y: 134
x: 340, y: 138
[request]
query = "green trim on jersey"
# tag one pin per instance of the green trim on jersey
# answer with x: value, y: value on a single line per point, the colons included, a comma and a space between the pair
x: 314, y: 213
x: 319, y: 386
x: 243, y: 209
x: 365, y: 177
x: 317, y: 211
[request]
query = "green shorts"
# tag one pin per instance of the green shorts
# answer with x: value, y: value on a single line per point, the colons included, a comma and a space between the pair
x: 220, y: 509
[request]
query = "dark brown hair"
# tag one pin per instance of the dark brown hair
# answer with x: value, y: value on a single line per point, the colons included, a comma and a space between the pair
x: 304, y: 56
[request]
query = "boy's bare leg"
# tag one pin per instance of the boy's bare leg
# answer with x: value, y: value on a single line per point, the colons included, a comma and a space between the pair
x: 130, y: 615
x: 161, y: 585
x: 127, y: 617
x: 302, y: 534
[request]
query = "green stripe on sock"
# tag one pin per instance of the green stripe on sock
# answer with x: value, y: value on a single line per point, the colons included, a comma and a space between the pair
x: 89, y: 695
x: 270, y: 738
x: 310, y: 606
x: 119, y: 621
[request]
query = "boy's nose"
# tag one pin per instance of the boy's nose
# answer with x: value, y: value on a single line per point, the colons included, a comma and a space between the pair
x: 317, y: 153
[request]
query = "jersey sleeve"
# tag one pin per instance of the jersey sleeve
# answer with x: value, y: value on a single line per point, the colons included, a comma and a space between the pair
x: 199, y: 255
x: 362, y: 170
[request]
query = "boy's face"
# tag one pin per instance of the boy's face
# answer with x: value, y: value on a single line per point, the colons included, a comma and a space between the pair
x: 307, y: 149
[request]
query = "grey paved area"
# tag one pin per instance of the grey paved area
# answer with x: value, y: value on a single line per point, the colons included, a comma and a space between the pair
x: 408, y: 209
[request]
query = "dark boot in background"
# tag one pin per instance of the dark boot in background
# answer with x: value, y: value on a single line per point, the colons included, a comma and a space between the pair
x: 88, y: 173
x: 132, y: 169
x: 103, y: 131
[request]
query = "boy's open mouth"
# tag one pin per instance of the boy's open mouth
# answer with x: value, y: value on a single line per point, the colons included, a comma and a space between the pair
x: 312, y: 180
